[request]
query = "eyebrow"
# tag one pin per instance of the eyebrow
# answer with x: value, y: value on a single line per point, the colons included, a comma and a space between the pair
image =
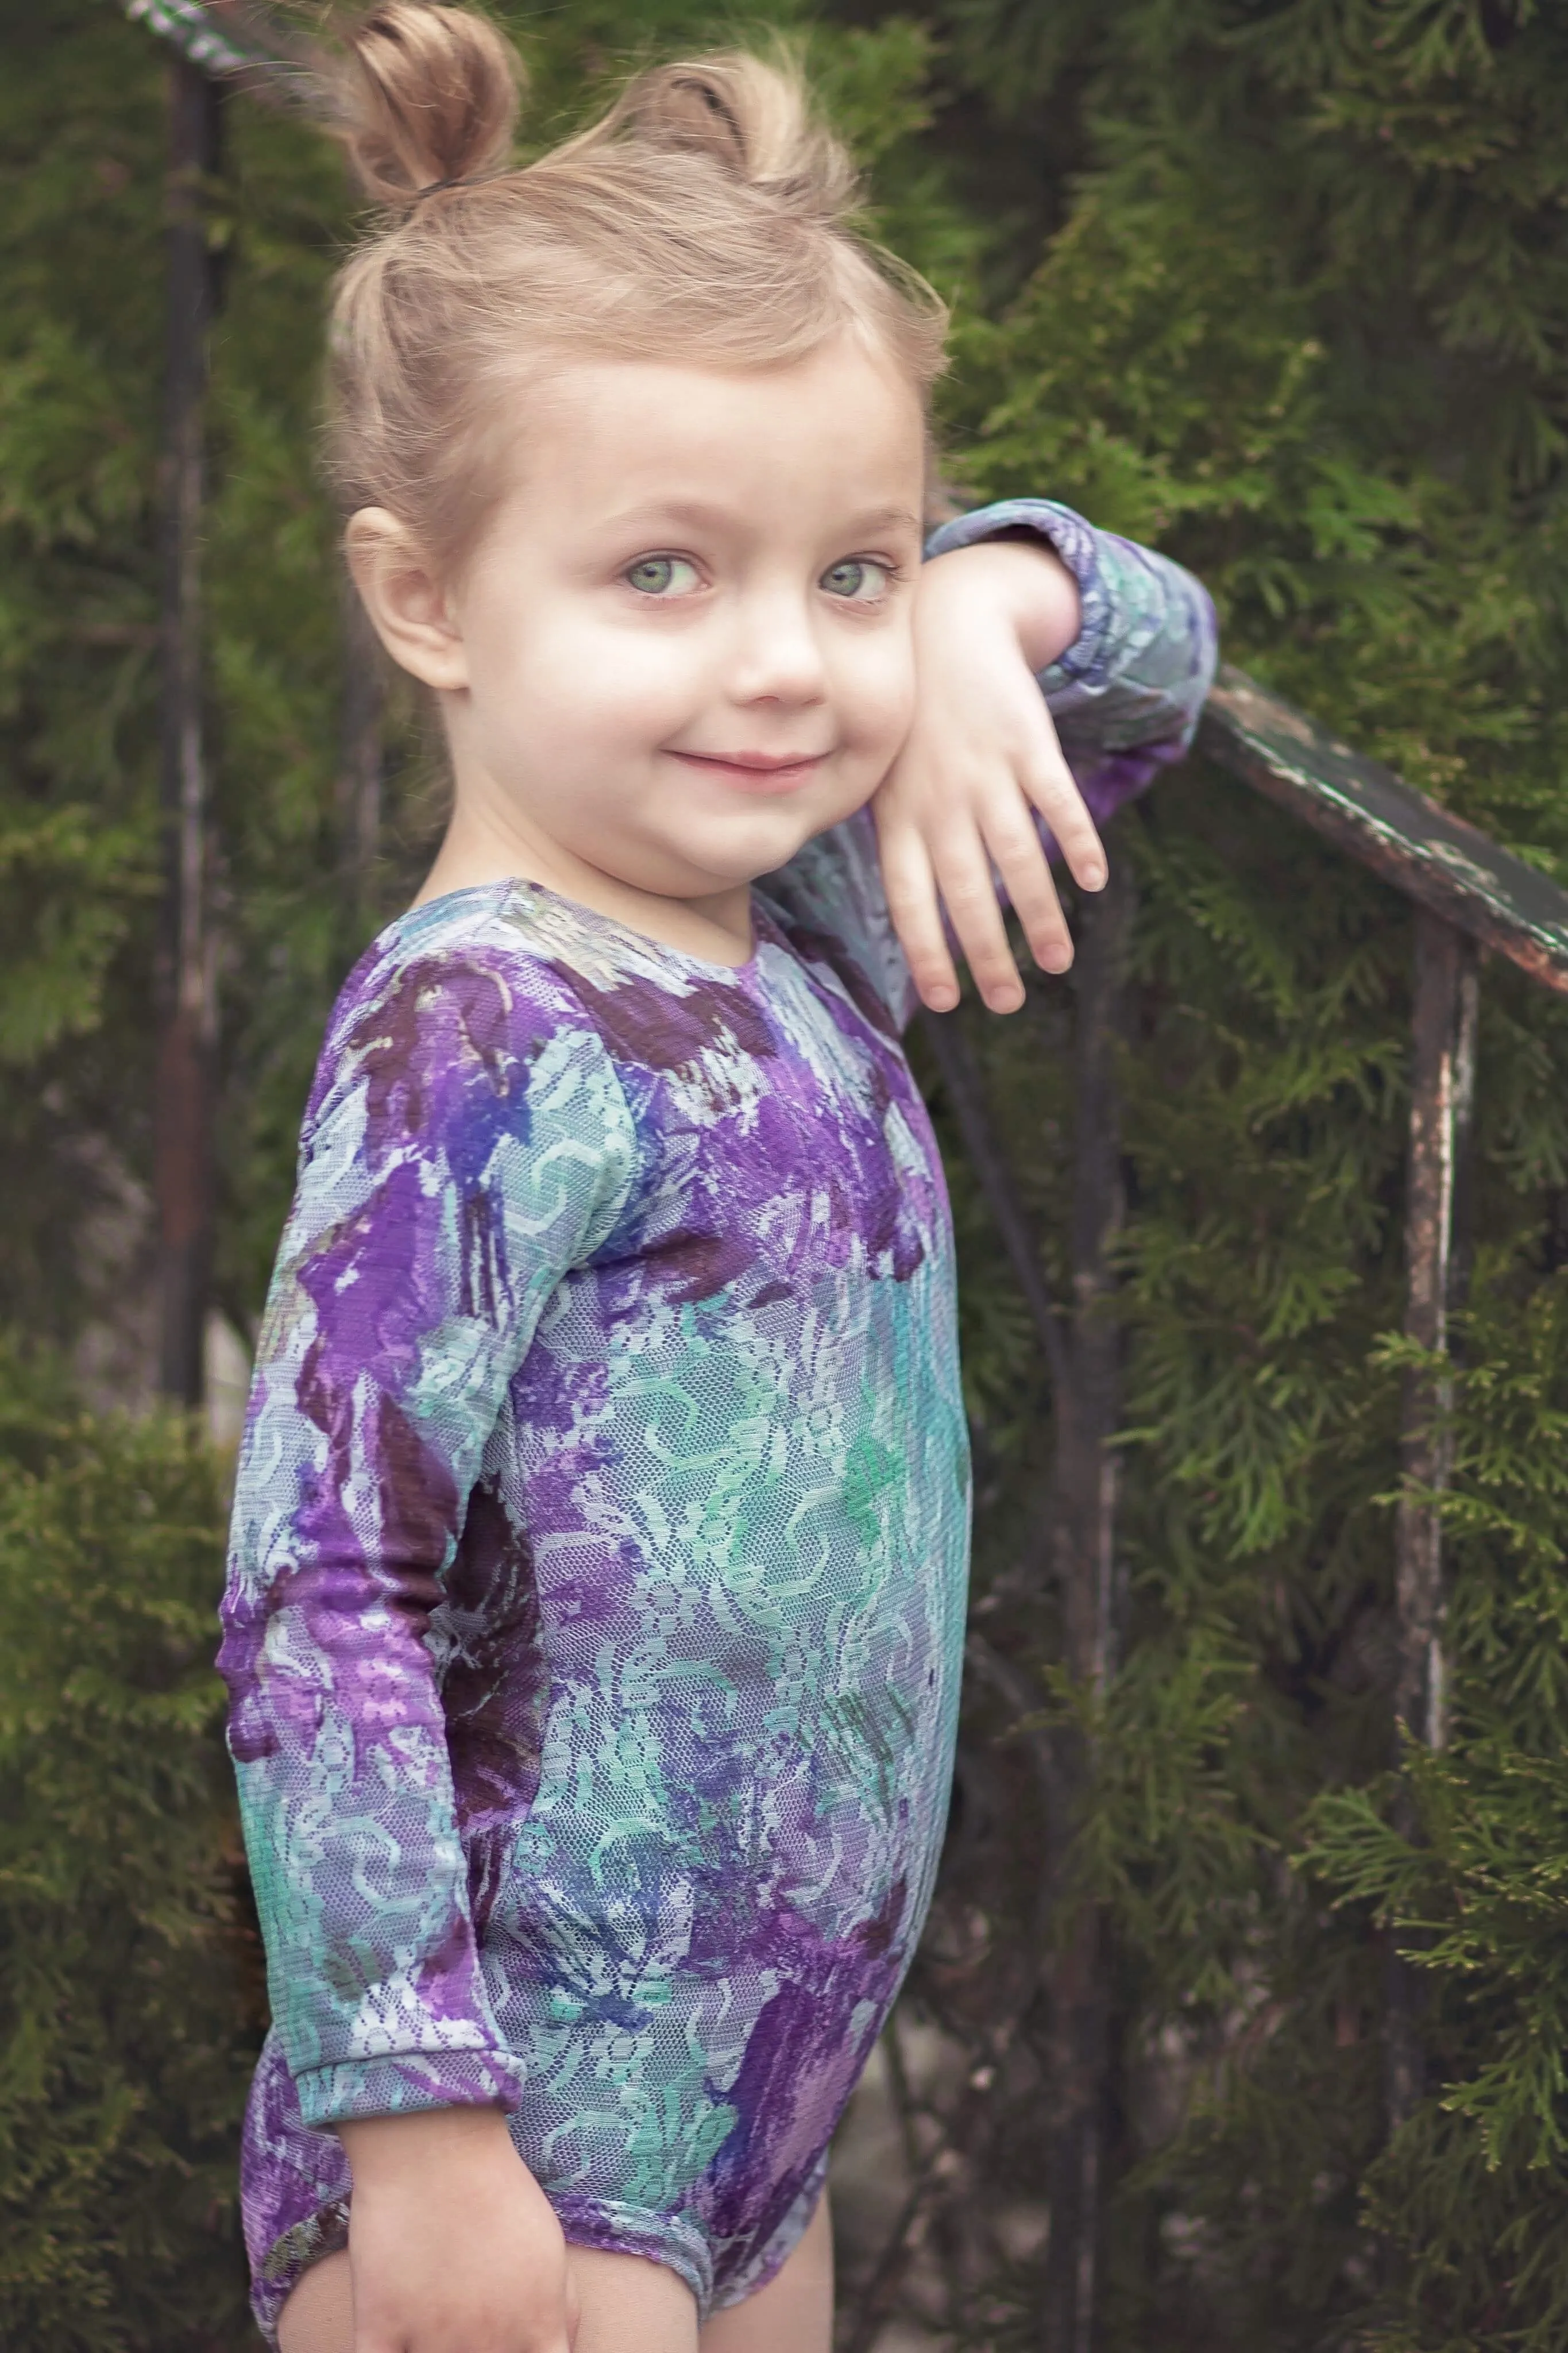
x: 886, y: 519
x: 699, y: 513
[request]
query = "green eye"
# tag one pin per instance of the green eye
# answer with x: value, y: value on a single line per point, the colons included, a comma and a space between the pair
x: 662, y: 575
x: 859, y: 580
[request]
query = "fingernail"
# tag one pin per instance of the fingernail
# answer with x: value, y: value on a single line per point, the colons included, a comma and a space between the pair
x: 1093, y: 877
x: 942, y: 1000
x: 1056, y: 959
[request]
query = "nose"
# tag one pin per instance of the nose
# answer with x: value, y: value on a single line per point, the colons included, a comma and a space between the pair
x: 776, y: 654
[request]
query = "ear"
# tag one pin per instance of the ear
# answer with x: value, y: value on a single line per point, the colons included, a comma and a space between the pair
x: 408, y: 606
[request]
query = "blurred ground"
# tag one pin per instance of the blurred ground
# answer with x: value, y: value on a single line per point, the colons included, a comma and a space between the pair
x: 872, y: 2170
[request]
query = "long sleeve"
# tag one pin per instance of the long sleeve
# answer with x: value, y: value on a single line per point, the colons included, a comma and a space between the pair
x: 467, y: 1145
x: 1126, y: 697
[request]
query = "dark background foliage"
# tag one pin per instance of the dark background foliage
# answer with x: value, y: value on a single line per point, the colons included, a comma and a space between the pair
x: 130, y: 1985
x: 1280, y: 286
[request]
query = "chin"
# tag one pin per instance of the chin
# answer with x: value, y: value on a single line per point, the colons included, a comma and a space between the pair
x: 753, y: 850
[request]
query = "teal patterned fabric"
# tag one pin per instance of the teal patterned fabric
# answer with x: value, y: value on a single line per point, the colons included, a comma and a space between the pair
x: 597, y: 1592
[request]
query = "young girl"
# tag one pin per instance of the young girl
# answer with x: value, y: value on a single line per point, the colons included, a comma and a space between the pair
x: 596, y: 1596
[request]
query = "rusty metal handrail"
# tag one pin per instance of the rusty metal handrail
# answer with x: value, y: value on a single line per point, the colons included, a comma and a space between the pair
x: 1445, y: 865
x: 244, y: 44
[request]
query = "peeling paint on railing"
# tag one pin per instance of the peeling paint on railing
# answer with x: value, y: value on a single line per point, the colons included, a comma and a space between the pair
x: 1435, y: 858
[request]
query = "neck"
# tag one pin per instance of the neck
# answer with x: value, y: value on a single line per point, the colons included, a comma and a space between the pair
x: 480, y: 848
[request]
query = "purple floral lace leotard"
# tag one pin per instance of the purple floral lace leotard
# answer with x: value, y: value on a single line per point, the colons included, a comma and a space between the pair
x: 596, y: 1591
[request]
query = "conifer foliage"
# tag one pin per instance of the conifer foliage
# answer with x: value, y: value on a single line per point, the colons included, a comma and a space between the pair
x: 130, y: 1998
x: 1281, y: 288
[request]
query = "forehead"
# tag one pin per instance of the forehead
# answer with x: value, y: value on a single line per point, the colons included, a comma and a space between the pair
x: 838, y: 431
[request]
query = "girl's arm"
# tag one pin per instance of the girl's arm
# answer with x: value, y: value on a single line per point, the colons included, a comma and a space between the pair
x: 1127, y: 689
x: 1029, y: 622
x: 467, y: 1145
x: 1123, y: 643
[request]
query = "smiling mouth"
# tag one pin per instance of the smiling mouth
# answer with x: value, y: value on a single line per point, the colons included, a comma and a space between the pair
x: 757, y: 771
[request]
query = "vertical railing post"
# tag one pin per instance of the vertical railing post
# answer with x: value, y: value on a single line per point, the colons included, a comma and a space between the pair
x: 963, y: 1085
x: 1087, y: 1413
x: 183, y: 1177
x: 1441, y: 1104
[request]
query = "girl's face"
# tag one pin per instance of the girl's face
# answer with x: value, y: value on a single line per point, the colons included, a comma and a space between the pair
x: 683, y: 645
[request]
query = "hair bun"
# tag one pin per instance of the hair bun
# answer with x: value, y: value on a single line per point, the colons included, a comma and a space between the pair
x: 430, y: 96
x: 752, y: 117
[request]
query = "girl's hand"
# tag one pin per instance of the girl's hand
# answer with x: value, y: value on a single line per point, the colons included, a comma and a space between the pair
x: 981, y: 759
x: 453, y: 2246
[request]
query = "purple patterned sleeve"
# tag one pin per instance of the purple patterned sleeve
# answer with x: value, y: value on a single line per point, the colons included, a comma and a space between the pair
x: 466, y: 1144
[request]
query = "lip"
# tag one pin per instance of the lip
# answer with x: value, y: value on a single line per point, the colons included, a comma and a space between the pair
x: 757, y: 771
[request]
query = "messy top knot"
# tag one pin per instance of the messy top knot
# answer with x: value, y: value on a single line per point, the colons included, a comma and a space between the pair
x: 708, y: 219
x: 429, y: 98
x: 753, y: 120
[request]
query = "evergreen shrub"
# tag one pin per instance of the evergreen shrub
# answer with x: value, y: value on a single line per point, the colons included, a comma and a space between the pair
x: 129, y: 2002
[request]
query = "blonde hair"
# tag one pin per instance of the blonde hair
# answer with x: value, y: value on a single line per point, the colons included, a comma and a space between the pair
x: 708, y: 219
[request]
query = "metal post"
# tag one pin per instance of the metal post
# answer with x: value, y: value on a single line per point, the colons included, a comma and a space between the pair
x: 964, y: 1088
x: 188, y: 1009
x: 1441, y: 1105
x: 1088, y: 1410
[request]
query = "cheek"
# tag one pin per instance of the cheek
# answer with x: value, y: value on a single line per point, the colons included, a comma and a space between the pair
x: 568, y: 685
x: 875, y: 690
x: 645, y: 683
x: 632, y: 684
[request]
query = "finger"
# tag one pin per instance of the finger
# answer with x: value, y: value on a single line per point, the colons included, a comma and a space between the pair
x: 1051, y: 786
x: 1018, y: 858
x: 969, y: 893
x: 912, y: 903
